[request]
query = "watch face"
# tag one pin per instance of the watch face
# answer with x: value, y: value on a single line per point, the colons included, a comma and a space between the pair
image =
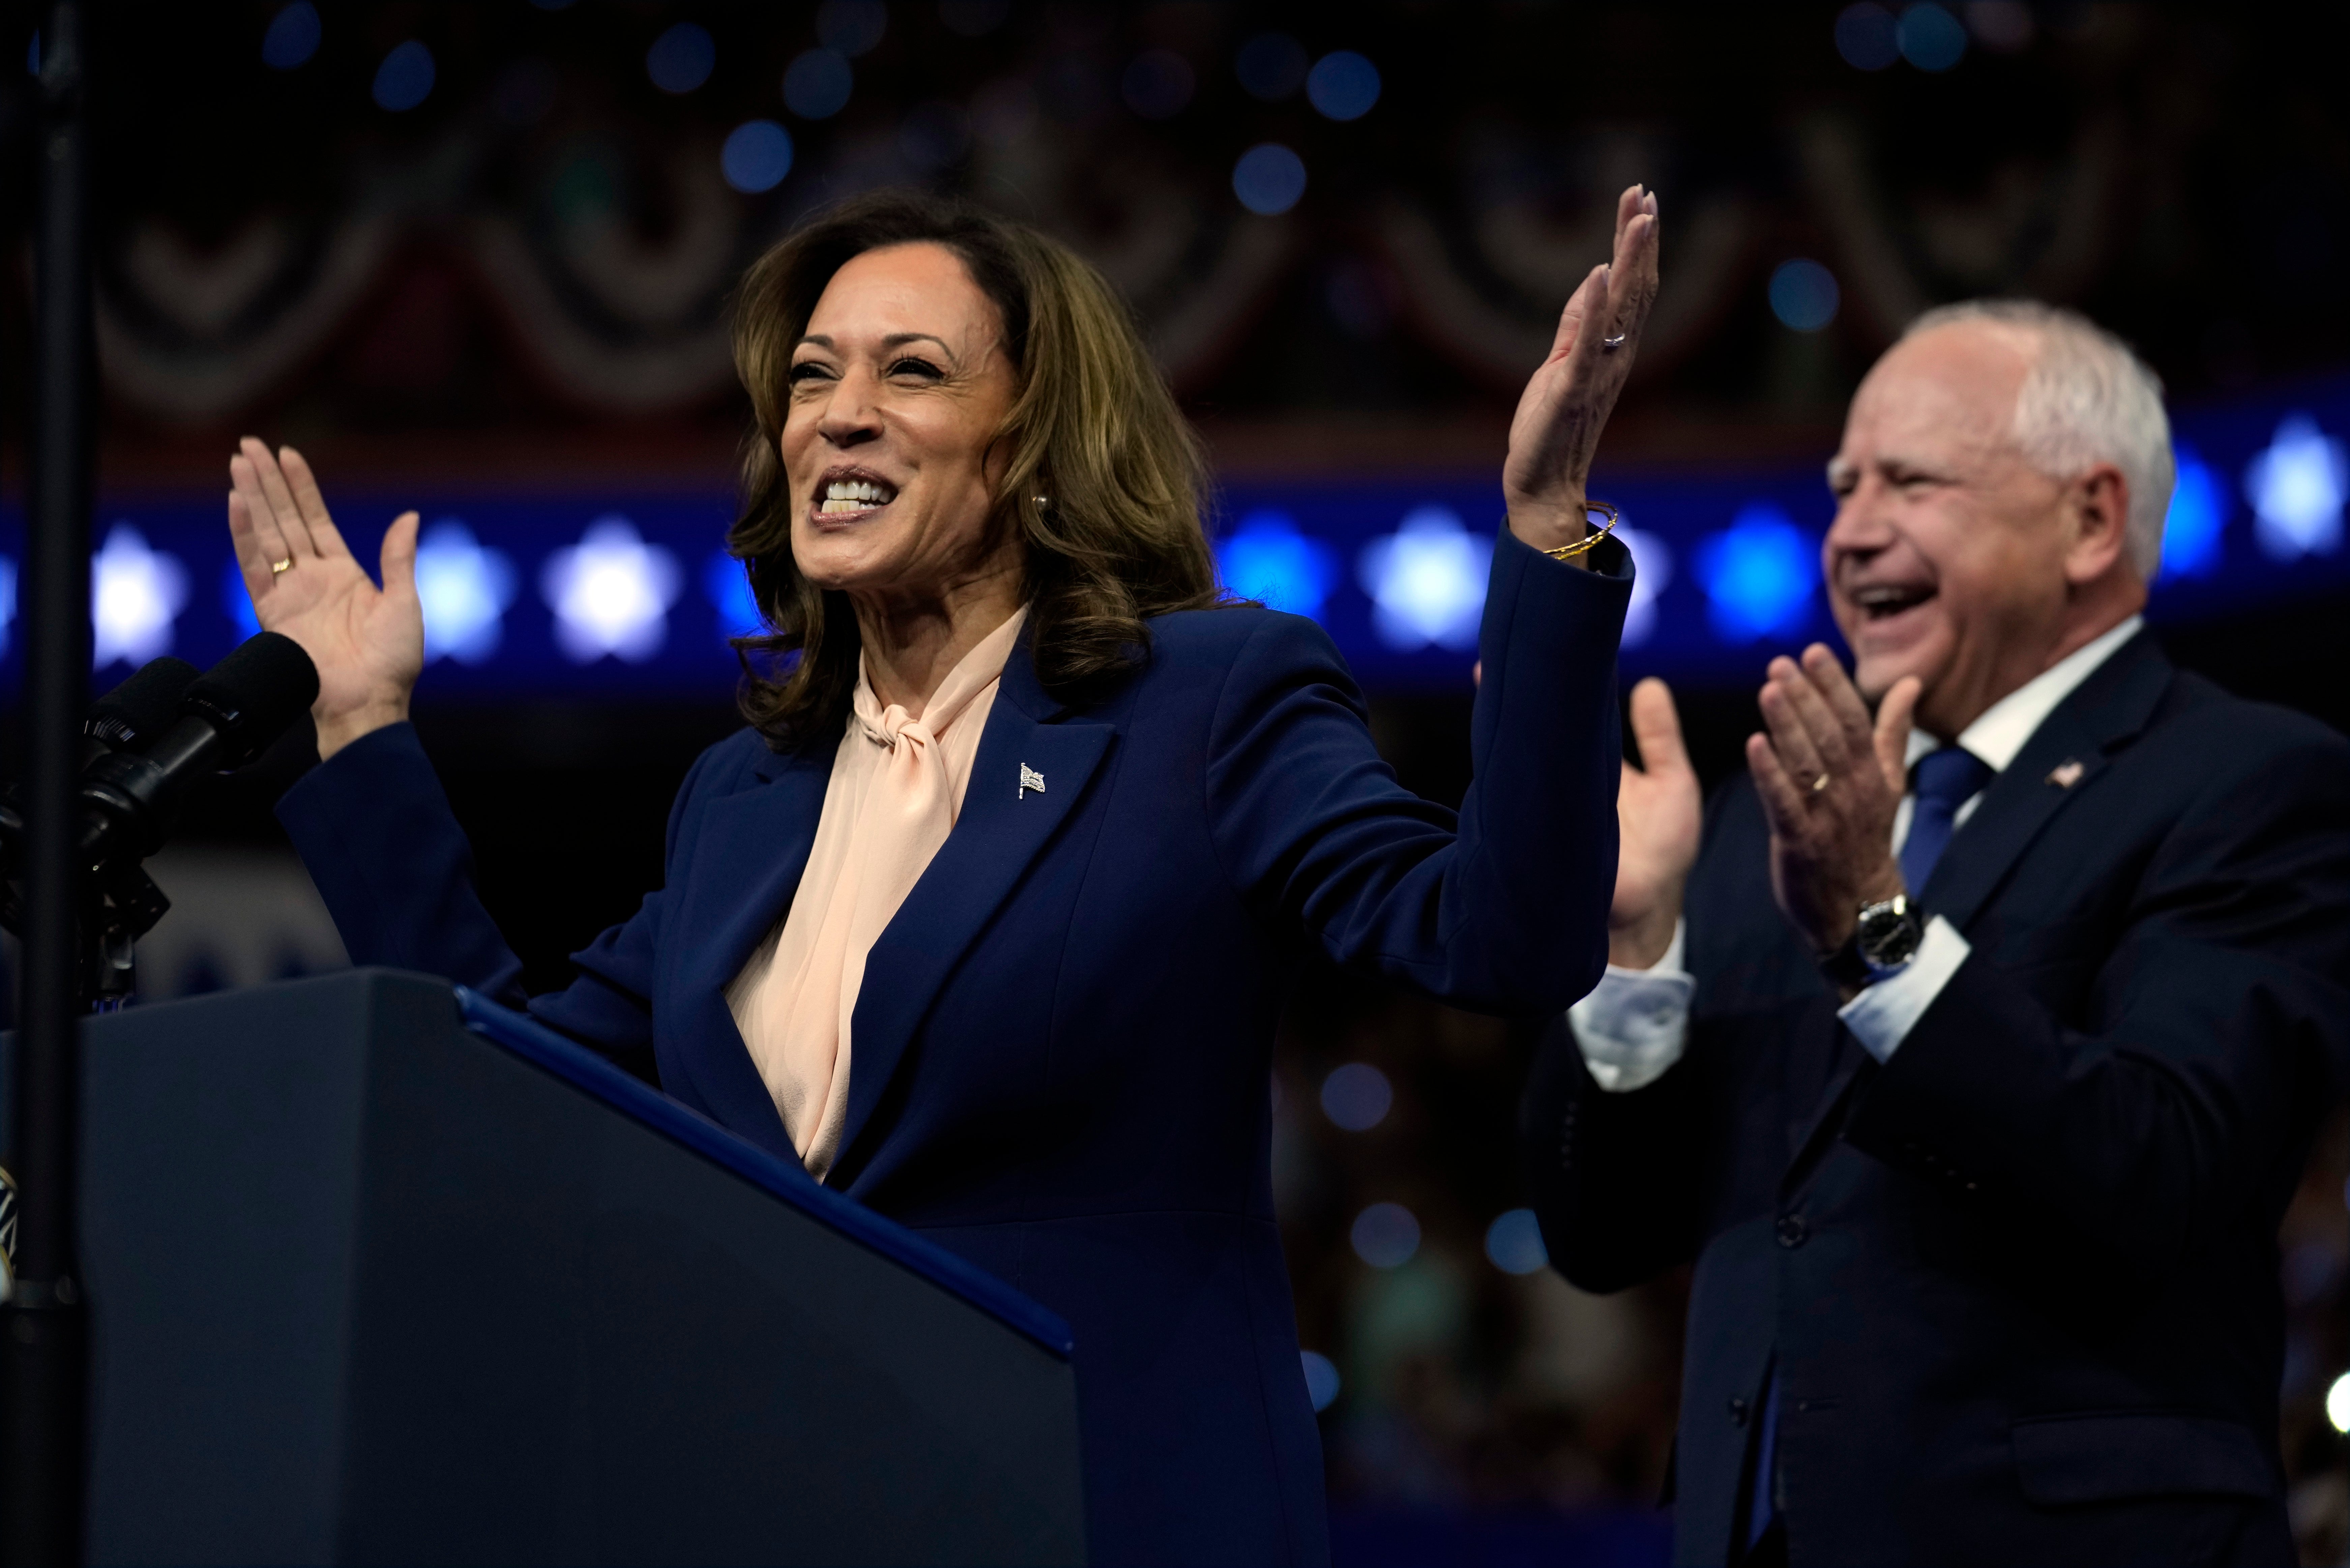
x: 1888, y: 933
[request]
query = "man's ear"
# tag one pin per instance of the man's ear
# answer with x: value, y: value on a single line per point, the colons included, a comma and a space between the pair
x: 2096, y: 523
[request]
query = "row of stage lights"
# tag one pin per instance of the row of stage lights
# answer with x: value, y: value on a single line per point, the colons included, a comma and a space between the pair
x: 613, y: 594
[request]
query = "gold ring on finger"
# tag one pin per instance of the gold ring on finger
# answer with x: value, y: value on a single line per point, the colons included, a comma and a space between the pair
x: 279, y: 568
x: 1819, y: 783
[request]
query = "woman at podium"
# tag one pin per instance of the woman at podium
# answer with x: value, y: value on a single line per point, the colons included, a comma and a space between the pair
x: 985, y: 918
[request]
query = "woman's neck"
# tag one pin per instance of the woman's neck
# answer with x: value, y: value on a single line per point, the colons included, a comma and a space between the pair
x: 912, y: 644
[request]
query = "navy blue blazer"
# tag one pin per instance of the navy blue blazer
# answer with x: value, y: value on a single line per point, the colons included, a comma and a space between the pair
x: 1063, y: 1040
x: 2021, y: 1281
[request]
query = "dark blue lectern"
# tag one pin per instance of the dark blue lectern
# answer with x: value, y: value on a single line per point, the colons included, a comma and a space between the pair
x: 379, y: 1273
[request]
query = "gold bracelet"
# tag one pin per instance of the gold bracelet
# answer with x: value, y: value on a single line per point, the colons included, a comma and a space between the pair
x: 1568, y: 552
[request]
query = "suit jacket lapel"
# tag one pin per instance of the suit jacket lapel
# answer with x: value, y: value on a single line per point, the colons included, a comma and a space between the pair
x: 766, y: 830
x: 2057, y: 766
x: 1005, y: 822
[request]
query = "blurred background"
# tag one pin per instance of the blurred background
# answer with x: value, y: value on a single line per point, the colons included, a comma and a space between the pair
x: 475, y: 259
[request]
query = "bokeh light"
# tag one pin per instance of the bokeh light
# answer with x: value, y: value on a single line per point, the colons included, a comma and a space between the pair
x: 1652, y: 568
x: 1426, y: 581
x: 2297, y: 488
x: 293, y: 36
x: 1268, y: 560
x: 7, y: 600
x: 1931, y: 39
x: 1322, y: 1380
x: 1804, y: 294
x: 852, y: 27
x: 1269, y: 178
x: 756, y: 156
x: 1157, y: 83
x: 1385, y: 1235
x: 465, y: 590
x: 1513, y: 1243
x: 2198, y: 515
x: 404, y: 79
x: 136, y: 595
x: 1271, y: 67
x: 1356, y: 1096
x: 816, y: 84
x: 1758, y: 576
x: 2338, y: 1403
x: 1868, y: 36
x: 681, y: 58
x: 1343, y: 85
x: 728, y: 586
x: 610, y: 593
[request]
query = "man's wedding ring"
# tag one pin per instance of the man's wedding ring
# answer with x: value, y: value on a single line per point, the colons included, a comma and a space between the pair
x: 279, y: 568
x: 1819, y: 783
x: 1609, y: 345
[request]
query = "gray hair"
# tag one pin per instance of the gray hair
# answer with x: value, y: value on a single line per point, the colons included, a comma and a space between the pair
x: 2087, y: 399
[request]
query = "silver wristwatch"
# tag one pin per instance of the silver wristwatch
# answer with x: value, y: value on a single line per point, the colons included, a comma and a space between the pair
x: 1887, y: 935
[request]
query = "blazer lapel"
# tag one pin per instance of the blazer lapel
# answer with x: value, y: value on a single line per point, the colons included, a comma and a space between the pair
x: 765, y: 830
x: 2057, y: 765
x: 1007, y: 819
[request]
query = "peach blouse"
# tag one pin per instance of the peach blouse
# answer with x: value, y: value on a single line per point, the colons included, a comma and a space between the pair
x: 896, y: 787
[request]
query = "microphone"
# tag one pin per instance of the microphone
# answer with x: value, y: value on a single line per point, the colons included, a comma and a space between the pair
x: 227, y: 716
x: 129, y: 717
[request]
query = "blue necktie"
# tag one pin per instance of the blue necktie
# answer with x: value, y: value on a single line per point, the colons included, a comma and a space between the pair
x: 1943, y: 781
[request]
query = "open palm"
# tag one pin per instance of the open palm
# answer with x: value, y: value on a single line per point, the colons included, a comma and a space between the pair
x: 367, y: 643
x: 1658, y: 810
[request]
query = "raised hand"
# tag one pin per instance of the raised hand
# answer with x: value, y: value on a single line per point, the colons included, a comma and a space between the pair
x: 1565, y: 406
x: 367, y: 643
x: 1657, y: 811
x: 1831, y: 778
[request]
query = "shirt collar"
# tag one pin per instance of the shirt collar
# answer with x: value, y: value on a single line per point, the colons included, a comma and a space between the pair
x: 2003, y: 729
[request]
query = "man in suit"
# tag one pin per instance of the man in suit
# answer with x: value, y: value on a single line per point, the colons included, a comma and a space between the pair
x: 1972, y: 1061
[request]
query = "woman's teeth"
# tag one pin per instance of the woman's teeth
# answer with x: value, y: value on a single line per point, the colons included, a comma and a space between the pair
x: 855, y: 495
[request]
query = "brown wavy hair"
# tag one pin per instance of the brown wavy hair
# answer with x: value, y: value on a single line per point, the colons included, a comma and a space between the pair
x: 1093, y: 428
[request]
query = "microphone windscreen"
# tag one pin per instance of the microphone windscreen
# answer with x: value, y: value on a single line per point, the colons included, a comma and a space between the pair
x: 131, y: 715
x: 253, y: 694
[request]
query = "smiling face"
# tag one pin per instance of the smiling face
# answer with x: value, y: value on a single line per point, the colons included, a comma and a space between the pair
x: 1951, y: 559
x: 898, y: 389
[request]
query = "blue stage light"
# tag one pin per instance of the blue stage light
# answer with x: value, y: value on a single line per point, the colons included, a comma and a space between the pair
x: 1426, y: 581
x: 1343, y: 85
x: 610, y: 593
x: 1269, y: 178
x: 293, y: 36
x: 136, y: 595
x: 756, y: 157
x: 2297, y: 488
x: 1758, y: 576
x: 1271, y: 65
x: 1321, y: 1382
x: 1356, y: 1096
x: 2198, y: 511
x: 681, y: 58
x: 728, y: 587
x: 1514, y: 1242
x: 405, y: 77
x: 1268, y: 560
x: 1804, y: 294
x: 1386, y: 1235
x: 1868, y: 36
x: 465, y: 590
x: 7, y: 600
x: 1652, y: 568
x: 816, y: 84
x: 1931, y: 39
x: 238, y: 602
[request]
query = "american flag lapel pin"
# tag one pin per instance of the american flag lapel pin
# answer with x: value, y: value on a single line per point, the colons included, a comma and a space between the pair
x: 2066, y: 774
x: 1030, y: 779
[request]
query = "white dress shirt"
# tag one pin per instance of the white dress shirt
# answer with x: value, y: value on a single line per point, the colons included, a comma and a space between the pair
x: 1635, y: 1025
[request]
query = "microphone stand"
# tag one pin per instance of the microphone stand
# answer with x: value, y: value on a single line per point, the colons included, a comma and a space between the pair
x: 44, y: 1369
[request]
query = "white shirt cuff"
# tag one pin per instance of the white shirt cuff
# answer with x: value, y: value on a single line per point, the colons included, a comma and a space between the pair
x: 1635, y: 1025
x: 1882, y: 1016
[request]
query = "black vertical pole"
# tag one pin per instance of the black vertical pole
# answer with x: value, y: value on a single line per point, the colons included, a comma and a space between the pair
x: 43, y: 1364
